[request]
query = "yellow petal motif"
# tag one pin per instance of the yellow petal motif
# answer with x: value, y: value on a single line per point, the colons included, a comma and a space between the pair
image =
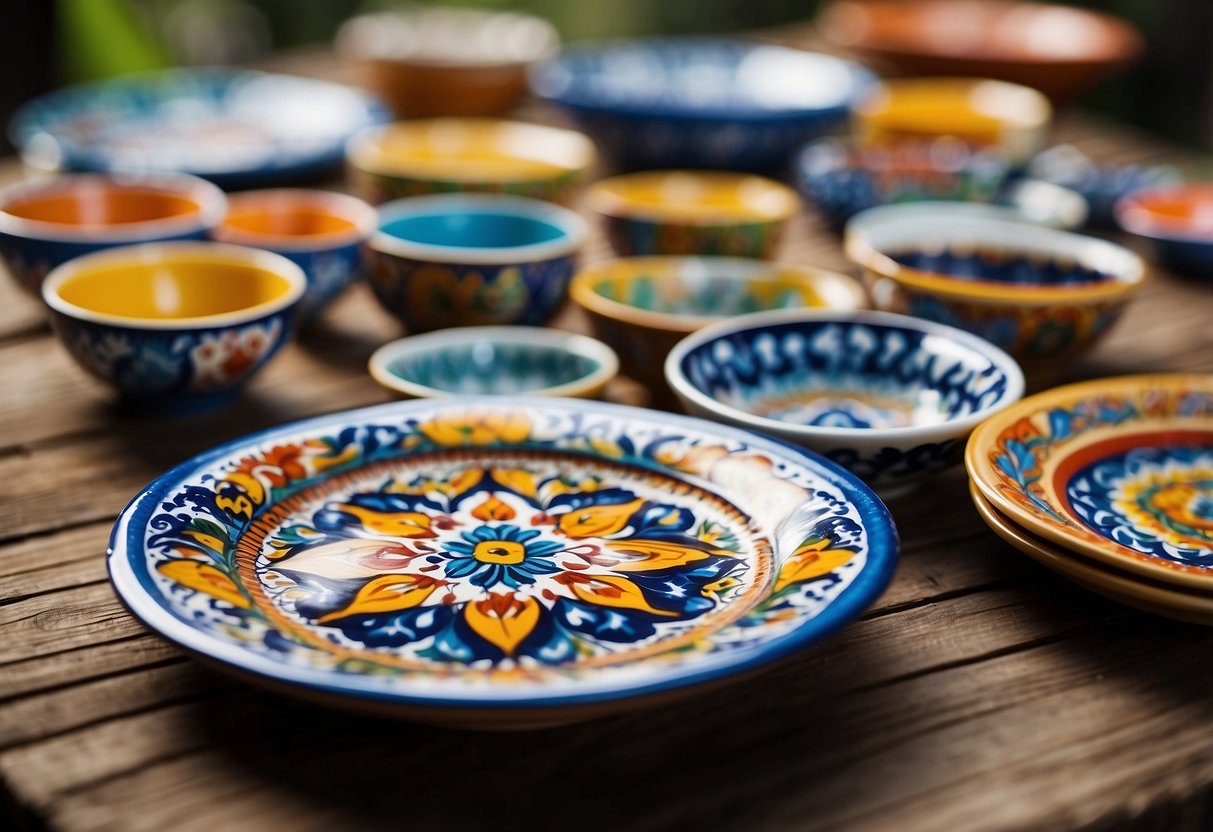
x: 478, y: 428
x: 493, y: 509
x: 598, y: 521
x: 517, y: 480
x: 812, y: 560
x: 392, y: 524
x: 657, y: 554
x: 204, y: 578
x: 208, y: 541
x: 503, y: 619
x: 389, y: 593
x: 610, y: 591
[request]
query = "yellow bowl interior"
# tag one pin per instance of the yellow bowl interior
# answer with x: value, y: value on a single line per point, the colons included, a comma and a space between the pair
x: 693, y: 196
x: 977, y: 110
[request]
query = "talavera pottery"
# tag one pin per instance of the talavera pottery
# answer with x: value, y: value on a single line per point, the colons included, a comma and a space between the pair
x: 1059, y: 50
x: 48, y: 221
x: 890, y: 397
x: 1040, y: 294
x: 453, y: 155
x: 431, y: 61
x: 473, y: 259
x: 175, y: 327
x: 643, y: 306
x: 1117, y: 470
x: 700, y: 102
x: 237, y: 128
x: 500, y: 563
x: 495, y: 360
x: 1099, y: 184
x: 1116, y: 586
x: 321, y: 231
x: 688, y: 212
x: 978, y: 111
x: 1177, y: 220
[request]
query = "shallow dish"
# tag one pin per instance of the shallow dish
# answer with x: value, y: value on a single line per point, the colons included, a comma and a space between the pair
x: 1100, y: 185
x: 700, y: 102
x: 689, y: 212
x: 500, y: 563
x: 447, y: 62
x: 175, y: 327
x: 473, y: 259
x: 495, y: 360
x: 890, y: 397
x: 978, y: 111
x: 1059, y: 50
x: 1177, y: 220
x: 45, y: 222
x: 453, y: 155
x: 1116, y: 586
x: 321, y: 231
x: 643, y: 306
x: 238, y: 128
x: 1117, y: 470
x: 1040, y: 294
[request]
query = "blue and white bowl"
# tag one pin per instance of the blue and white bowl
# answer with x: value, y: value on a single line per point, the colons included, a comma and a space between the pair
x: 700, y: 102
x: 890, y: 397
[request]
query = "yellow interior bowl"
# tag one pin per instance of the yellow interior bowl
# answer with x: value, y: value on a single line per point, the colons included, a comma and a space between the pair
x: 693, y: 197
x: 471, y: 150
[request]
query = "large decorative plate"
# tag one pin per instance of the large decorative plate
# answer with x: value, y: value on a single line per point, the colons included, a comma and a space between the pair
x: 237, y: 128
x: 501, y: 562
x: 1119, y: 470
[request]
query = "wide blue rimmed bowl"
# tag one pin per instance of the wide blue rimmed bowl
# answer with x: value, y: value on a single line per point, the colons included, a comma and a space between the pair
x: 700, y: 102
x: 237, y: 128
x: 473, y: 259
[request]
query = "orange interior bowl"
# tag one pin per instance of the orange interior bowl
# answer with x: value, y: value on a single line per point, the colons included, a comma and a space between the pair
x: 1184, y: 211
x: 99, y: 203
x: 267, y: 218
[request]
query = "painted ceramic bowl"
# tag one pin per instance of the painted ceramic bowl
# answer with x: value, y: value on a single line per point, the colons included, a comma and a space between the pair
x: 1040, y: 294
x: 1177, y: 221
x: 452, y: 155
x: 689, y: 212
x: 1100, y: 185
x: 472, y: 259
x: 978, y: 111
x: 1113, y: 584
x: 447, y: 62
x: 46, y: 222
x: 496, y: 361
x: 643, y: 306
x: 500, y: 563
x: 1059, y: 50
x: 175, y: 327
x: 321, y: 231
x: 1118, y: 471
x: 700, y: 103
x: 890, y: 397
x: 237, y: 128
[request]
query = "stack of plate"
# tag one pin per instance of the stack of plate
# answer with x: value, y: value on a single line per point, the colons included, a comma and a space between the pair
x: 1109, y: 483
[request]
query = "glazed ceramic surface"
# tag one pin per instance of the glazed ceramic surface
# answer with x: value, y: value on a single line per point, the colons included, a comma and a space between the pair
x: 688, y: 212
x: 1100, y: 185
x: 503, y: 562
x: 46, y: 222
x: 235, y: 127
x: 1119, y: 470
x: 320, y: 231
x: 453, y: 155
x: 643, y: 306
x: 1177, y: 220
x: 466, y: 259
x: 702, y: 103
x: 890, y: 397
x: 175, y: 327
x: 501, y: 361
x: 1038, y: 293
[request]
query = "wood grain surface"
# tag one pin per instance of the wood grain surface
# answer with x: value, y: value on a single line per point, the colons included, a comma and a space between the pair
x: 982, y: 692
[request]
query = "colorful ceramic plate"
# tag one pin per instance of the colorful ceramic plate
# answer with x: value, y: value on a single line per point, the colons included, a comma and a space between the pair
x: 1119, y: 587
x: 1119, y: 470
x: 502, y: 563
x: 237, y: 128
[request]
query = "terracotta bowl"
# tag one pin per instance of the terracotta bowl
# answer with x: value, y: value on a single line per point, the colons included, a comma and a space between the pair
x: 1177, y: 220
x: 1058, y: 50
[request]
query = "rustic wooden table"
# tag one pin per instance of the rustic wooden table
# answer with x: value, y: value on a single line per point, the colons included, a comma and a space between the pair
x: 981, y: 692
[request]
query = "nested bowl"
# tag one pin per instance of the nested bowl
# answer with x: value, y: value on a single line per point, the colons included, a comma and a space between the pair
x: 1177, y: 220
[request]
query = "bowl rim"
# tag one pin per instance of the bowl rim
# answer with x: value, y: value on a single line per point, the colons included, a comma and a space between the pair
x: 1138, y: 220
x: 607, y: 198
x: 573, y: 227
x: 918, y: 434
x: 363, y: 154
x: 583, y: 291
x: 183, y: 250
x: 333, y: 203
x: 210, y: 200
x: 571, y: 343
x: 993, y: 225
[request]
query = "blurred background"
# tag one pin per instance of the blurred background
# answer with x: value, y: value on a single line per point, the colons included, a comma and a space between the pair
x: 48, y: 43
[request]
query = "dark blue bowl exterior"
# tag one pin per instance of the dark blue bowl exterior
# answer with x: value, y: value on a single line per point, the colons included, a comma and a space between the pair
x: 1189, y: 257
x: 329, y: 272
